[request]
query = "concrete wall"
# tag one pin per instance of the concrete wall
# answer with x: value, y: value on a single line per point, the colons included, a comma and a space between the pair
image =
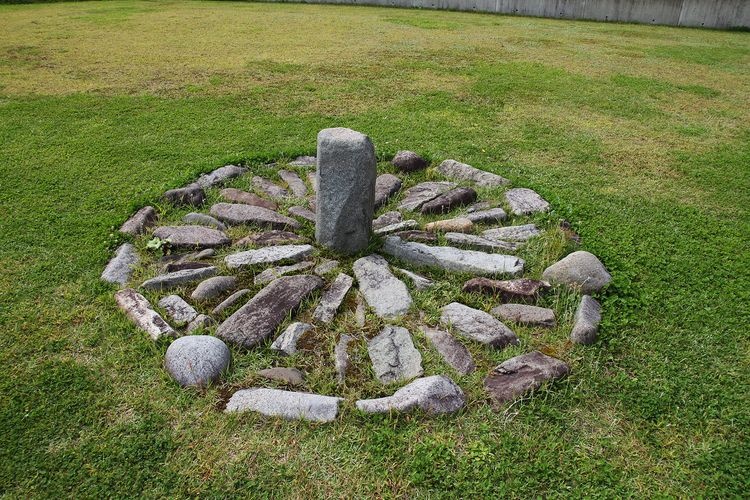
x: 707, y: 13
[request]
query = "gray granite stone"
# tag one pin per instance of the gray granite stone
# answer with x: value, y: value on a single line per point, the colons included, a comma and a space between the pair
x: 523, y: 289
x: 203, y: 220
x: 139, y: 221
x: 332, y: 298
x: 523, y: 201
x: 178, y: 278
x: 346, y: 190
x: 230, y: 301
x: 586, y: 321
x: 433, y: 395
x: 360, y: 313
x: 512, y: 233
x: 524, y: 314
x: 521, y: 374
x: 489, y: 216
x: 267, y: 255
x: 213, y: 288
x: 581, y: 270
x: 477, y: 325
x: 386, y: 219
x: 220, y: 175
x: 393, y: 355
x: 179, y: 311
x: 269, y: 188
x: 272, y: 238
x: 302, y: 212
x: 341, y: 358
x: 304, y: 161
x: 461, y: 171
x: 386, y: 185
x: 449, y: 200
x: 296, y: 185
x: 239, y: 196
x: 270, y: 274
x: 453, y: 352
x: 480, y: 243
x: 140, y: 312
x: 238, y: 213
x: 197, y: 360
x: 202, y: 321
x: 326, y: 266
x: 120, y: 267
x: 288, y: 376
x: 423, y: 192
x: 409, y: 161
x: 385, y: 293
x: 192, y: 237
x: 398, y: 226
x: 285, y: 404
x: 420, y: 282
x: 286, y: 343
x: 192, y: 194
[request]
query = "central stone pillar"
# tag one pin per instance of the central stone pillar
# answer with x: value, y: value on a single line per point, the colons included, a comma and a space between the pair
x: 347, y: 169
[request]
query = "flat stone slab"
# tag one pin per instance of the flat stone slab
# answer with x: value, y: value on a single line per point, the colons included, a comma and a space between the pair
x: 512, y: 233
x: 203, y: 220
x: 489, y: 216
x: 272, y: 238
x: 289, y: 376
x: 479, y: 243
x: 393, y: 355
x: 239, y: 196
x: 304, y: 161
x: 419, y: 281
x: 332, y: 298
x: 177, y: 278
x: 120, y: 267
x: 177, y: 309
x: 453, y: 352
x: 581, y: 270
x: 326, y: 266
x: 398, y: 226
x: 285, y: 404
x: 220, y: 175
x: 296, y: 185
x: 200, y: 321
x: 386, y: 185
x: 182, y: 265
x: 302, y: 212
x: 409, y: 161
x: 140, y: 312
x: 586, y: 321
x: 213, y: 288
x: 139, y: 221
x: 423, y: 192
x: 259, y: 318
x: 271, y: 189
x: 230, y: 301
x: 449, y: 200
x: 238, y: 213
x: 523, y: 289
x: 192, y: 236
x: 341, y: 357
x: 197, y: 360
x: 523, y: 201
x: 272, y: 273
x: 191, y: 194
x: 452, y: 259
x: 267, y: 255
x: 457, y: 225
x: 524, y: 314
x: 461, y: 171
x: 418, y: 236
x: 477, y: 325
x: 433, y: 395
x: 286, y: 343
x: 386, y: 219
x: 527, y: 372
x: 385, y: 293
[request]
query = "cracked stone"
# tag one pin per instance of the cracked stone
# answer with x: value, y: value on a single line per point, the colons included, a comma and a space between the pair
x: 477, y: 325
x: 393, y: 355
x: 449, y: 200
x: 423, y: 192
x: 521, y: 374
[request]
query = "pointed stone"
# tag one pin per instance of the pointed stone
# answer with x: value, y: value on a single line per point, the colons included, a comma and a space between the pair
x: 286, y: 343
x: 192, y: 236
x: 393, y: 355
x: 178, y: 278
x: 586, y: 321
x: 220, y: 175
x: 272, y: 273
x: 461, y: 171
x: 271, y: 189
x: 453, y: 352
x: 237, y: 213
x: 527, y: 372
x: 285, y: 404
x: 267, y: 255
x: 420, y: 194
x: 581, y: 270
x: 433, y: 395
x: 524, y: 201
x: 139, y: 221
x: 449, y: 200
x: 386, y: 185
x: 179, y: 311
x: 524, y: 314
x: 120, y: 268
x: 512, y: 233
x: 296, y: 185
x: 385, y: 293
x: 140, y: 312
x: 477, y: 325
x: 239, y: 196
x: 341, y: 355
x: 332, y: 298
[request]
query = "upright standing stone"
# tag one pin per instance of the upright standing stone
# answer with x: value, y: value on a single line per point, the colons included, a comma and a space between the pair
x: 346, y: 190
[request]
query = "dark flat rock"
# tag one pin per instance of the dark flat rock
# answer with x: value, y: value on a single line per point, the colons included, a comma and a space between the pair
x: 386, y: 185
x: 524, y: 314
x: 386, y: 219
x: 303, y: 213
x: 261, y: 316
x: 409, y: 161
x: 220, y: 175
x: 239, y: 196
x: 297, y: 185
x: 271, y: 189
x: 522, y: 289
x: 272, y: 238
x: 420, y: 194
x: 449, y: 200
x: 182, y: 265
x: 192, y: 236
x: 192, y: 194
x: 527, y: 372
x: 453, y: 352
x: 178, y: 278
x: 139, y: 221
x: 238, y: 213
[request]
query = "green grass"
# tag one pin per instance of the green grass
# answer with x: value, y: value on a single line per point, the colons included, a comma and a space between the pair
x: 636, y: 134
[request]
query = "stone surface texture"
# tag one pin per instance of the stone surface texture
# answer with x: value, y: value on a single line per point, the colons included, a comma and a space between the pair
x: 522, y: 289
x: 347, y: 169
x: 398, y: 226
x: 420, y: 194
x: 203, y: 220
x: 220, y: 175
x: 120, y: 268
x: 420, y: 282
x: 409, y: 161
x: 285, y: 404
x: 326, y: 266
x: 139, y: 221
x: 586, y: 321
x: 177, y: 309
x: 418, y: 236
x: 213, y: 288
x: 480, y: 243
x: 272, y: 238
x: 270, y: 274
x: 341, y: 357
x: 521, y: 374
x: 512, y: 233
x: 385, y: 293
x: 302, y: 212
x: 387, y: 219
x: 461, y: 171
x: 239, y: 196
x: 523, y: 201
x: 581, y: 269
x: 239, y: 213
x: 332, y: 298
x: 477, y: 325
x: 393, y: 355
x: 457, y: 225
x: 192, y: 194
x: 192, y: 236
x: 433, y: 395
x: 177, y: 278
x: 488, y: 216
x: 230, y: 301
x: 197, y: 360
x: 296, y: 185
x: 289, y: 376
x: 386, y: 185
x: 267, y: 255
x: 453, y: 352
x: 286, y: 343
x: 271, y: 189
x: 200, y: 321
x: 140, y: 312
x: 524, y: 314
x: 259, y: 318
x: 304, y: 161
x: 449, y: 200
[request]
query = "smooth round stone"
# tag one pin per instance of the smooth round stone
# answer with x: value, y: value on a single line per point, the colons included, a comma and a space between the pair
x: 197, y: 360
x: 408, y: 161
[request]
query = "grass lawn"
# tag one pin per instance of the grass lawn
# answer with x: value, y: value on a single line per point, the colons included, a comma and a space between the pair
x: 638, y: 135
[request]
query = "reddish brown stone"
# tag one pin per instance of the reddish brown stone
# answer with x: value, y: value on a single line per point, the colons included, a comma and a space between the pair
x: 239, y: 196
x: 449, y: 200
x: 527, y: 372
x: 522, y: 289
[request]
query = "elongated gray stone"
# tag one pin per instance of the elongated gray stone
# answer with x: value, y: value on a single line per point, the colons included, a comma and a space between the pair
x: 296, y: 184
x: 582, y: 270
x: 120, y: 267
x: 140, y: 312
x: 346, y: 190
x: 288, y: 376
x: 332, y: 298
x: 267, y: 255
x: 453, y: 352
x: 191, y: 194
x: 139, y: 221
x: 271, y: 189
x: 326, y: 266
x: 398, y: 226
x: 285, y: 404
x: 433, y: 395
x: 586, y: 321
x: 197, y: 360
x: 523, y: 201
x: 479, y: 243
x: 477, y: 325
x: 272, y: 238
x: 230, y: 301
x: 420, y: 282
x: 461, y: 171
x: 214, y: 287
x: 386, y: 219
x: 525, y: 314
x: 259, y: 318
x: 449, y: 200
x: 203, y: 220
x: 177, y: 278
x: 286, y: 343
x: 522, y: 289
x: 360, y: 313
x: 521, y: 374
x: 200, y: 321
x: 270, y: 274
x: 239, y: 196
x: 512, y: 233
x: 192, y: 236
x: 238, y: 213
x: 302, y: 212
x: 385, y: 293
x: 304, y: 161
x: 177, y: 309
x: 386, y: 185
x: 420, y: 194
x: 488, y: 216
x: 409, y: 161
x: 393, y: 355
x: 220, y: 175
x: 452, y: 259
x: 341, y: 358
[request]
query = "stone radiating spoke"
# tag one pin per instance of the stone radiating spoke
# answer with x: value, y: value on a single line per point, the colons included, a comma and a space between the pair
x: 461, y: 171
x: 120, y: 268
x: 477, y: 325
x: 139, y: 221
x: 286, y: 343
x: 524, y: 314
x: 512, y: 233
x: 220, y: 175
x: 385, y: 293
x: 420, y: 194
x: 237, y: 213
x: 393, y: 355
x: 433, y: 395
x: 586, y: 321
x: 297, y: 185
x: 140, y: 312
x: 239, y: 196
x: 271, y: 189
x: 285, y: 404
x: 453, y: 352
x: 386, y: 185
x: 178, y: 278
x: 527, y: 372
x: 192, y: 237
x: 267, y: 255
x: 332, y: 298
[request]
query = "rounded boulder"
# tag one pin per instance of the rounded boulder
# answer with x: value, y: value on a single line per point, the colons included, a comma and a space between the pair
x: 581, y: 270
x: 197, y: 360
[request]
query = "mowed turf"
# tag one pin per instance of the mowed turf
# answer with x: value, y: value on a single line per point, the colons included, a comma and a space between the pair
x: 638, y: 135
